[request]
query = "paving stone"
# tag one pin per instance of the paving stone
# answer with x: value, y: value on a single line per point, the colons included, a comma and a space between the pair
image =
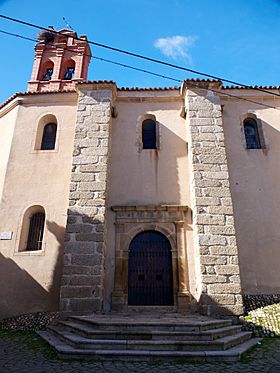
x: 23, y: 352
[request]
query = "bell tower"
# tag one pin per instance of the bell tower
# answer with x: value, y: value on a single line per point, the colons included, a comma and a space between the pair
x: 60, y: 61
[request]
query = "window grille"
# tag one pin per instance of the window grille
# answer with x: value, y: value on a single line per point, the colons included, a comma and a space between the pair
x: 149, y: 138
x: 49, y: 136
x: 251, y: 134
x: 35, y: 232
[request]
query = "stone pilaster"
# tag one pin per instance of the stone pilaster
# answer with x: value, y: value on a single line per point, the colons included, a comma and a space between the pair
x: 218, y: 283
x: 183, y: 286
x: 83, y: 271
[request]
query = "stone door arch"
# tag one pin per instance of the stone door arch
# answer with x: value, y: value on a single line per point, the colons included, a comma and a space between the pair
x: 167, y: 220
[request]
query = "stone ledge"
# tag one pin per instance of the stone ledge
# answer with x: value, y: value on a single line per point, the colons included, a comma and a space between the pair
x: 150, y: 208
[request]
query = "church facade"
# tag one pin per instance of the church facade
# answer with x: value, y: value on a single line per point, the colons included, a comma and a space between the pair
x: 127, y: 198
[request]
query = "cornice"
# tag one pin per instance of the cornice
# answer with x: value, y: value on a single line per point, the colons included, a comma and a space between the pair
x: 31, y: 98
x: 10, y: 106
x: 150, y: 208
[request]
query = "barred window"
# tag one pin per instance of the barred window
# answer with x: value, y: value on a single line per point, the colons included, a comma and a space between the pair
x: 251, y: 134
x: 149, y: 137
x: 35, y: 232
x: 49, y: 136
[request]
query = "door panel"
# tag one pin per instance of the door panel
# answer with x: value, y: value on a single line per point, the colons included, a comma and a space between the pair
x: 150, y: 270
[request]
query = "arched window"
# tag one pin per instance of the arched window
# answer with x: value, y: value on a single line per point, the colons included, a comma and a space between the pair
x: 47, y: 71
x: 49, y: 136
x: 251, y: 134
x: 35, y: 231
x: 149, y: 136
x: 32, y: 230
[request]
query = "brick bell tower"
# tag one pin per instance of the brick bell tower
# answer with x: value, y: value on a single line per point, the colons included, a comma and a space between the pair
x: 60, y: 61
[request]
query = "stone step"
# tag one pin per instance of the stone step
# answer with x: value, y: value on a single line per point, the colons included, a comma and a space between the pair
x: 88, y: 331
x: 65, y: 350
x: 153, y: 345
x: 148, y: 336
x: 152, y: 309
x: 146, y: 323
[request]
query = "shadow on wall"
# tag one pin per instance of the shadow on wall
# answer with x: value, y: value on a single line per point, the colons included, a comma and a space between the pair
x: 227, y: 308
x: 144, y: 176
x: 20, y: 293
x: 82, y: 281
x: 82, y: 287
x: 254, y: 179
x: 59, y: 233
x: 150, y: 176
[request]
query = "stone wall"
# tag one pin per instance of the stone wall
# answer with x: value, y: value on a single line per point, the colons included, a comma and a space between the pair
x: 218, y: 278
x: 83, y: 271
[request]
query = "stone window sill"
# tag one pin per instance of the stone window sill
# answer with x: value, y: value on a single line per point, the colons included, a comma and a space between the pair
x: 40, y: 151
x: 30, y: 253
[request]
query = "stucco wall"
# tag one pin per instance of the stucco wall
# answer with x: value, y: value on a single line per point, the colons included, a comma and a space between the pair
x: 147, y: 177
x: 35, y: 177
x: 7, y: 125
x: 254, y: 181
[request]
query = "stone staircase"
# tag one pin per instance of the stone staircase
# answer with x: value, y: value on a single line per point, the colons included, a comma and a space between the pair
x: 148, y: 337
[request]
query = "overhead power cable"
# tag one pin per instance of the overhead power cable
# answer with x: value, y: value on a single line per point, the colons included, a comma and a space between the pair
x: 191, y: 84
x: 141, y: 56
x: 16, y: 35
x: 101, y: 59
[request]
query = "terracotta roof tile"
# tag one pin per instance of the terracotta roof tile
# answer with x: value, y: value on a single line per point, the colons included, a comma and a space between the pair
x: 203, y: 80
x: 233, y: 86
x: 124, y: 89
x: 251, y: 87
x: 17, y: 94
x: 97, y: 82
x: 134, y: 89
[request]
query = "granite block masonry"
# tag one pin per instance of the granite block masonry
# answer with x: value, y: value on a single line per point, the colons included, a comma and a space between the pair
x: 217, y: 268
x: 86, y: 231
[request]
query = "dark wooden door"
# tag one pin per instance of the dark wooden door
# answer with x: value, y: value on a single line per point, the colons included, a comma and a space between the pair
x: 150, y: 270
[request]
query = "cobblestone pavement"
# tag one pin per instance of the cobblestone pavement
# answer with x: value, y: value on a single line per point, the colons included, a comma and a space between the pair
x: 25, y: 352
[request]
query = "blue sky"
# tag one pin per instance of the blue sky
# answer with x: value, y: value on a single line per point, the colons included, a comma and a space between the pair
x: 235, y: 39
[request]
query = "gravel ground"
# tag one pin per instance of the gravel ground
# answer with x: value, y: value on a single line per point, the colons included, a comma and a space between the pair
x: 263, y: 321
x: 30, y: 321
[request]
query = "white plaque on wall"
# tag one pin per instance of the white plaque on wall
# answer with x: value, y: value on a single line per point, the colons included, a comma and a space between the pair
x: 6, y: 235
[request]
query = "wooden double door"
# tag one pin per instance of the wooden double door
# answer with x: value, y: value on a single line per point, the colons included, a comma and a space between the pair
x: 150, y: 278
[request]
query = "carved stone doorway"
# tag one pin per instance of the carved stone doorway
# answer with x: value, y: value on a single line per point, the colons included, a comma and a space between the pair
x: 167, y: 220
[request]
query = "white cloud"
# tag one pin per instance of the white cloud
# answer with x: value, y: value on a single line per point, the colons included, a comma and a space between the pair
x: 176, y: 47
